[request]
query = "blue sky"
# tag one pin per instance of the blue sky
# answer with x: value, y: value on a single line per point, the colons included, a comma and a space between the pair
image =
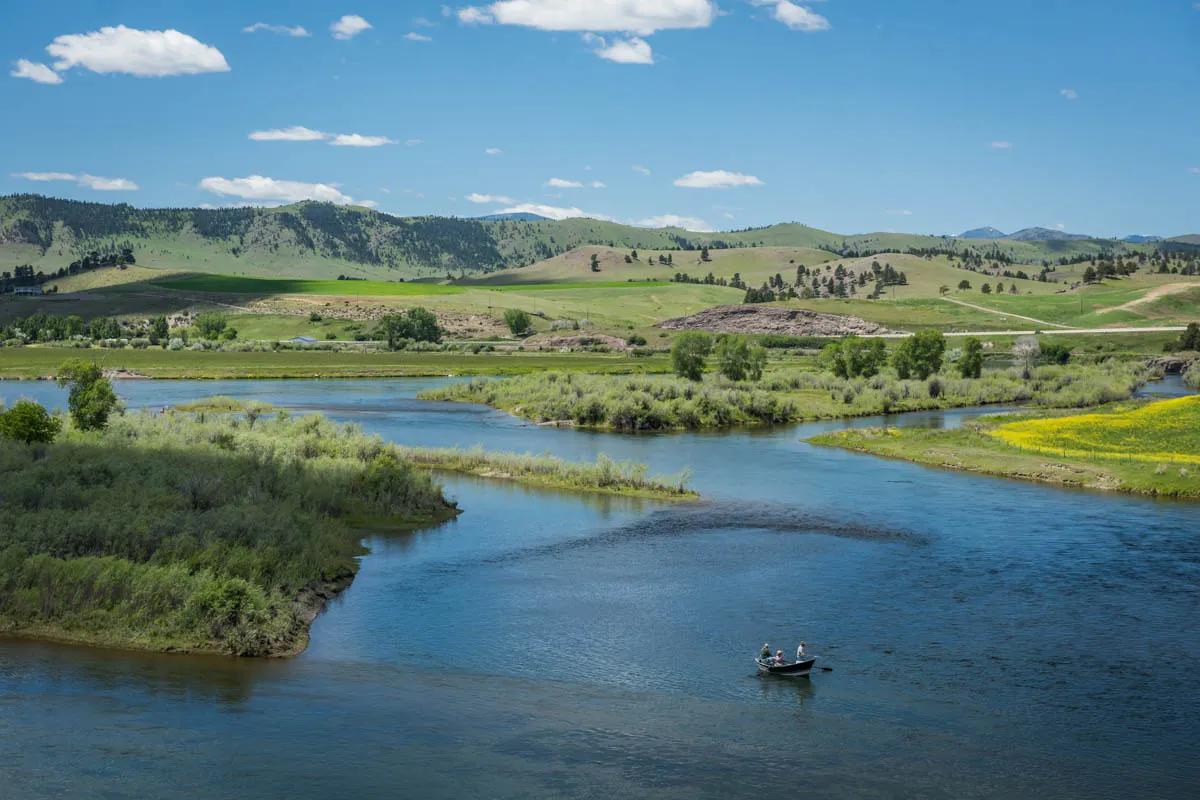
x: 850, y: 115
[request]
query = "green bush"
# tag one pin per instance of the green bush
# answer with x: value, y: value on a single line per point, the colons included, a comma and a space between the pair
x: 29, y: 422
x: 518, y: 322
x: 90, y: 397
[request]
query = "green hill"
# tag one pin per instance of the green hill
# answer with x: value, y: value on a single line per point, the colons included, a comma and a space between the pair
x: 320, y: 240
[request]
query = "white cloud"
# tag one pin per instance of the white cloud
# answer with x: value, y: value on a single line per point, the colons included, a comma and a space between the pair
x: 716, y: 179
x: 1194, y: 170
x: 562, y: 183
x: 348, y: 26
x: 798, y: 18
x: 638, y: 168
x: 552, y: 212
x: 674, y: 221
x: 259, y: 188
x: 1001, y: 145
x: 413, y: 36
x: 641, y: 17
x: 282, y: 30
x: 358, y: 140
x: 94, y: 182
x: 413, y: 142
x: 1070, y: 94
x: 136, y: 52
x: 38, y: 73
x: 296, y: 133
x: 623, y: 51
x: 476, y: 197
x: 493, y: 151
x: 899, y: 212
x: 1060, y: 226
x: 599, y: 185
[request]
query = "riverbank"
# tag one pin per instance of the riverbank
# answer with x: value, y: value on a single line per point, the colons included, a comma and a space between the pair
x: 662, y: 402
x: 605, y: 475
x: 33, y: 363
x: 1148, y: 448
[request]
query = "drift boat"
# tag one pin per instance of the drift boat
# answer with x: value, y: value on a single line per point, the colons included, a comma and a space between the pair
x: 792, y: 669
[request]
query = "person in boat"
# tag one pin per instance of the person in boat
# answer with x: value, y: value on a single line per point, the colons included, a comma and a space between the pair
x: 800, y: 652
x: 779, y: 658
x: 765, y: 653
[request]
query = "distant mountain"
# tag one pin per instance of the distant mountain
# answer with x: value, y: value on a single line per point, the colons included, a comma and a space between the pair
x: 1045, y: 235
x: 982, y: 233
x: 1191, y: 238
x: 518, y: 216
x: 1139, y: 239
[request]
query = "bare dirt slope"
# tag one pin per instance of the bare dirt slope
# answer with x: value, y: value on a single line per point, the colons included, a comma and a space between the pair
x: 773, y: 319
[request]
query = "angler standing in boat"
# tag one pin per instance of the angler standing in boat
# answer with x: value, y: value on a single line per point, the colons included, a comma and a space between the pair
x: 800, y: 652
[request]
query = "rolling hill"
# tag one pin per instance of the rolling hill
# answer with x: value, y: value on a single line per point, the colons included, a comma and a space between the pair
x: 322, y: 241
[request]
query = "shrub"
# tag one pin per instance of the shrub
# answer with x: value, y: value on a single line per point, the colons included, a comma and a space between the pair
x: 29, y: 422
x: 210, y: 324
x: 518, y: 322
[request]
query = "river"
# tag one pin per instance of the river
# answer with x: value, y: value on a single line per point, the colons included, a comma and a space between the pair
x: 987, y: 637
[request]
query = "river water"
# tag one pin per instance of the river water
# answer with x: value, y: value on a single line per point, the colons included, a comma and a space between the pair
x: 987, y: 637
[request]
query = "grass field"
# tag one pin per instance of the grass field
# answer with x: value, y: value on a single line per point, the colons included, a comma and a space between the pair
x: 38, y: 362
x: 1151, y: 449
x: 1165, y: 432
x: 229, y: 284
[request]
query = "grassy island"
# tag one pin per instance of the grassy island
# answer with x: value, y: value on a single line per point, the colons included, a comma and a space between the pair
x: 662, y: 402
x: 194, y: 532
x: 1150, y: 448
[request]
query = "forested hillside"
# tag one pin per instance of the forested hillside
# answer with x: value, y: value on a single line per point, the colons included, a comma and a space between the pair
x: 323, y: 240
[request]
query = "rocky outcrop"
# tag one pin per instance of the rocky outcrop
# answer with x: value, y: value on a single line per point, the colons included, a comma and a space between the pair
x: 773, y: 319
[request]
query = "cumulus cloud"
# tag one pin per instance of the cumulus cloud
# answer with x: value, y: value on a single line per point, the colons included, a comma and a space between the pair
x: 348, y: 26
x: 493, y: 151
x: 796, y: 17
x: 563, y: 183
x: 131, y: 51
x: 638, y: 168
x: 476, y: 197
x: 674, y: 221
x: 632, y: 50
x: 36, y: 72
x: 95, y: 182
x: 261, y: 189
x: 641, y: 17
x: 282, y: 30
x: 1000, y: 144
x: 551, y: 212
x: 358, y: 140
x: 598, y: 185
x: 716, y: 179
x: 296, y: 133
x: 1070, y: 94
x: 413, y: 36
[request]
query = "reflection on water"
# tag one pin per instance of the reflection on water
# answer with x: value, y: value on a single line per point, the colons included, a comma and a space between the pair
x: 550, y: 643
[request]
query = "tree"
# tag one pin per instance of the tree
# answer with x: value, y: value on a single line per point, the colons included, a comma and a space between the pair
x: 738, y: 360
x: 920, y: 355
x: 416, y: 324
x: 160, y: 330
x: 1025, y: 350
x: 210, y: 324
x: 1054, y: 353
x: 964, y: 284
x: 986, y: 288
x: 854, y: 357
x: 704, y: 254
x: 90, y: 398
x: 1190, y: 338
x: 971, y: 363
x: 30, y: 423
x: 595, y: 262
x: 518, y: 322
x: 688, y: 354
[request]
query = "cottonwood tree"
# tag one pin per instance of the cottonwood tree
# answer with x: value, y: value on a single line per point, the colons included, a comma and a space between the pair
x: 970, y: 365
x: 90, y: 396
x: 688, y: 354
x: 920, y: 355
x: 1025, y: 350
x: 29, y: 422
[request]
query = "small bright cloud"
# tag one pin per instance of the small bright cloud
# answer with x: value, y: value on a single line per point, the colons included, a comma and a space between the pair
x: 638, y: 168
x: 36, y: 72
x: 599, y: 185
x: 900, y: 212
x: 562, y: 183
x: 130, y: 51
x: 358, y: 140
x: 674, y: 221
x: 1194, y: 170
x: 296, y: 133
x: 413, y: 142
x: 493, y: 151
x: 476, y: 197
x: 413, y: 36
x: 94, y: 182
x: 1001, y: 145
x: 632, y: 50
x: 716, y: 179
x: 259, y: 188
x: 1060, y: 226
x: 640, y: 17
x: 282, y: 30
x: 348, y: 27
x: 1069, y: 94
x: 796, y: 17
x: 551, y: 212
